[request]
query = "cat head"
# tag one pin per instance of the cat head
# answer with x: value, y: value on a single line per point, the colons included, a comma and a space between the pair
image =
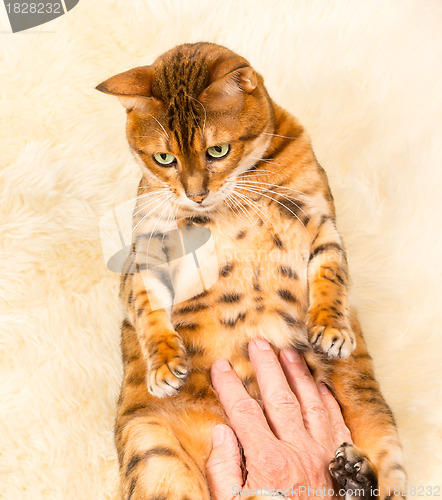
x: 198, y: 117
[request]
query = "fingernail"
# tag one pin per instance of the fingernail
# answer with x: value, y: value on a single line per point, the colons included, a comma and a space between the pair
x: 218, y: 435
x: 292, y: 355
x: 222, y: 365
x: 322, y: 388
x: 262, y: 345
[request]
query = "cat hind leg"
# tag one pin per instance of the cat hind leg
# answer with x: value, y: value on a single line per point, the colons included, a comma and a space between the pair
x: 154, y: 465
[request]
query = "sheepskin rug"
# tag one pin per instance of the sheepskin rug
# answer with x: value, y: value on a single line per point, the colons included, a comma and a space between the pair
x: 363, y: 77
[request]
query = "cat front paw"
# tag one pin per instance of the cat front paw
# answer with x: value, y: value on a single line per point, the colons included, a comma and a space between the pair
x: 334, y: 341
x: 168, y: 366
x: 353, y: 471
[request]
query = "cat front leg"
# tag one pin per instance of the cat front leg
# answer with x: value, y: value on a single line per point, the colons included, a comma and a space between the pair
x: 146, y: 295
x: 328, y: 315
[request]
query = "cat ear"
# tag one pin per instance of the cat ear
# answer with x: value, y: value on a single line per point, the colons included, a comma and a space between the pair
x: 228, y: 89
x: 133, y: 87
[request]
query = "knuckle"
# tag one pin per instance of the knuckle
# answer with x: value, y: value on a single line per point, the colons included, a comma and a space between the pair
x: 304, y: 375
x: 245, y: 407
x: 316, y: 410
x: 283, y: 399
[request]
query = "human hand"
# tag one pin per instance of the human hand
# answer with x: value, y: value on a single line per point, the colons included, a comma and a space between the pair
x: 287, y: 448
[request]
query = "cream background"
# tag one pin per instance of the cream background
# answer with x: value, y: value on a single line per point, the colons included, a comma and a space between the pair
x: 363, y: 77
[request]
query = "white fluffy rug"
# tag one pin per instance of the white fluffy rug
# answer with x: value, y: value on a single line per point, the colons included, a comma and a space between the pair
x: 365, y: 79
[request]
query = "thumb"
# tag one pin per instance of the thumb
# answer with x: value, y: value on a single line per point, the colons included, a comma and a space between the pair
x: 223, y: 466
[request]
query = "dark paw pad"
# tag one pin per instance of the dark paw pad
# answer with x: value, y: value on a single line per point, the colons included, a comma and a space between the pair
x: 354, y: 471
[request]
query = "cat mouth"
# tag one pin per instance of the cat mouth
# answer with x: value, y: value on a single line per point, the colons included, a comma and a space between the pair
x: 197, y: 208
x: 204, y: 209
x: 210, y: 205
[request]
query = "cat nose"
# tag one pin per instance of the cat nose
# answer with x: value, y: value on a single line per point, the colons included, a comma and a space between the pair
x: 198, y: 198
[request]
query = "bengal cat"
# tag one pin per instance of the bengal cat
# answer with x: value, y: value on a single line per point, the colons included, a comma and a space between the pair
x: 217, y: 153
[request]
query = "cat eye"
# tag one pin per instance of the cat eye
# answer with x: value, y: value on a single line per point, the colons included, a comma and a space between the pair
x: 218, y: 151
x: 164, y: 159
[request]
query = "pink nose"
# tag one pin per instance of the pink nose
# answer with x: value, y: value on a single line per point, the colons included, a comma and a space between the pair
x: 198, y: 198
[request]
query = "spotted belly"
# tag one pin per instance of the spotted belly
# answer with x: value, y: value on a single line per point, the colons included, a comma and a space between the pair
x: 270, y: 302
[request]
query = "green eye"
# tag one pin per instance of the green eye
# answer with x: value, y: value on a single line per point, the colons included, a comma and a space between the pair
x: 218, y: 151
x: 164, y: 159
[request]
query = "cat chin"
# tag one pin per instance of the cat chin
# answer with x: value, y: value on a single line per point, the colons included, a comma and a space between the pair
x: 200, y: 211
x: 195, y: 209
x: 210, y: 209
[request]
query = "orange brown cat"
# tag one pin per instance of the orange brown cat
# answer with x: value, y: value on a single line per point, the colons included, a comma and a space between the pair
x: 216, y: 152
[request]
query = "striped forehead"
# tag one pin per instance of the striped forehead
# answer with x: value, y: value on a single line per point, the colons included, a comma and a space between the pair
x: 183, y: 71
x: 185, y: 120
x: 180, y: 81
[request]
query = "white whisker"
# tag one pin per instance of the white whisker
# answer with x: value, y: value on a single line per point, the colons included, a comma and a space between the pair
x: 277, y: 135
x: 267, y: 190
x: 171, y: 215
x: 164, y: 130
x: 282, y: 204
x: 148, y: 214
x: 243, y: 210
x: 257, y: 185
x: 232, y: 208
x: 265, y: 160
x: 205, y: 111
x: 255, y: 208
x: 277, y: 187
x: 258, y: 171
x: 153, y: 230
x: 146, y: 203
x: 143, y: 206
x: 150, y: 193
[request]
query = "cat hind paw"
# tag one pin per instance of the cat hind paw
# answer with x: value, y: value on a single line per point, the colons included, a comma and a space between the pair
x: 354, y: 472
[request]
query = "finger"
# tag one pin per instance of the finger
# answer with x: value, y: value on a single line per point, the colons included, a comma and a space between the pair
x: 223, y: 466
x: 281, y: 406
x: 340, y: 431
x: 314, y: 412
x: 244, y: 413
